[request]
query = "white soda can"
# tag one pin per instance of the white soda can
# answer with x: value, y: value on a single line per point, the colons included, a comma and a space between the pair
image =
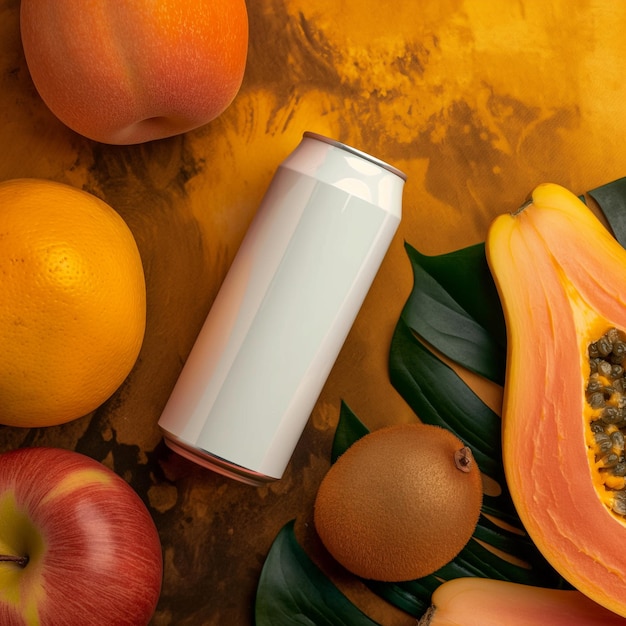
x: 284, y: 310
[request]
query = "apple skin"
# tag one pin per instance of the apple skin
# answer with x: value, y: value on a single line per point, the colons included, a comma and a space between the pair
x: 94, y: 552
x: 134, y: 71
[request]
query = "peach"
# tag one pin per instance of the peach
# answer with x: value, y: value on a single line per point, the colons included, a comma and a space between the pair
x: 126, y: 72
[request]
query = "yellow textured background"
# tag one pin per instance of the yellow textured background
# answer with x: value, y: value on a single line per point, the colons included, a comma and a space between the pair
x: 477, y: 101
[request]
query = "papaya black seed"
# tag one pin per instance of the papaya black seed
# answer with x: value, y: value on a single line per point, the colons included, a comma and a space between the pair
x: 613, y: 335
x: 597, y: 427
x: 619, y: 349
x: 596, y: 400
x: 617, y: 439
x: 594, y: 384
x: 604, y: 369
x: 619, y: 469
x: 603, y: 440
x: 605, y: 347
x: 619, y: 503
x: 610, y: 460
x: 617, y: 372
x: 610, y: 415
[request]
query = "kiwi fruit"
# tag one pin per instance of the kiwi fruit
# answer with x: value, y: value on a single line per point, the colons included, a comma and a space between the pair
x: 400, y: 503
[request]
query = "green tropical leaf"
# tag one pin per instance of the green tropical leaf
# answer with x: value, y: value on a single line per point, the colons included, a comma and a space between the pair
x: 511, y: 542
x: 412, y: 597
x: 612, y: 200
x: 349, y: 429
x: 439, y: 396
x: 293, y: 591
x: 454, y: 306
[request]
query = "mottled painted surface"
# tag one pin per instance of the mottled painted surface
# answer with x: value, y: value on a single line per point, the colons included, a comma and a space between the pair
x: 476, y: 101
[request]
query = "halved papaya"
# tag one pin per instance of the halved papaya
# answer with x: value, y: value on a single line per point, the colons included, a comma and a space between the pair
x: 561, y: 277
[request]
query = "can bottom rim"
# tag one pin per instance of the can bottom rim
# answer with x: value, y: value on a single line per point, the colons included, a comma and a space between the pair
x: 215, y: 463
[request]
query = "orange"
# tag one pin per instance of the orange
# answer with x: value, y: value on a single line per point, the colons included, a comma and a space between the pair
x: 72, y: 303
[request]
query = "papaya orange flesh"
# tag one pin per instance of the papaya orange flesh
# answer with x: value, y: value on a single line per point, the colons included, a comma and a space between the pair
x: 485, y: 602
x: 561, y: 277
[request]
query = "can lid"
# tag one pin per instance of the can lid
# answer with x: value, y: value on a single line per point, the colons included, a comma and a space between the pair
x: 360, y: 153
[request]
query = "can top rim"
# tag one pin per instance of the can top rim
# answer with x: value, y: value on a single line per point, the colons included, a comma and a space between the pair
x: 364, y: 155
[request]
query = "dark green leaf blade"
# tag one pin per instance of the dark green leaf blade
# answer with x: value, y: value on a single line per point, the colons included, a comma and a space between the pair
x: 612, y: 200
x: 519, y: 546
x: 512, y: 543
x: 349, y: 429
x: 454, y: 306
x: 412, y: 597
x: 439, y: 396
x: 293, y: 591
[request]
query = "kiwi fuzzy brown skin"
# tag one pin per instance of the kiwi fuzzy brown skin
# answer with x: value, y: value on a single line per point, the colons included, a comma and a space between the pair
x: 400, y: 503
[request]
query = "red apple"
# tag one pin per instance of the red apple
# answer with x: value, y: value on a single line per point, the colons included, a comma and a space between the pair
x: 77, y: 544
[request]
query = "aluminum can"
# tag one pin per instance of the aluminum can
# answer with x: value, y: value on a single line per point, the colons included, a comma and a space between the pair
x: 284, y: 310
